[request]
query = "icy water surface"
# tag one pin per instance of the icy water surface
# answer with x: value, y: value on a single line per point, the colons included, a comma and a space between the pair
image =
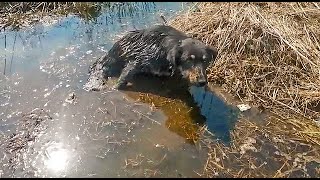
x: 51, y: 127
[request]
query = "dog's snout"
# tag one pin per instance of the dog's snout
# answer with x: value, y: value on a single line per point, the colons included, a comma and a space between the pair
x: 201, y: 79
x: 202, y: 83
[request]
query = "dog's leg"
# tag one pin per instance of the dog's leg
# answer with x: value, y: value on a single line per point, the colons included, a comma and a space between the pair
x: 127, y: 74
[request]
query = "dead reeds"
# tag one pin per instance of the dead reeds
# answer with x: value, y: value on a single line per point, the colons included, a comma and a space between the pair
x: 268, y: 52
x: 269, y: 57
x: 17, y: 15
x: 22, y: 14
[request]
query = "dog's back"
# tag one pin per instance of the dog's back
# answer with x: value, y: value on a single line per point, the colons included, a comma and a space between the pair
x: 155, y: 50
x: 144, y: 46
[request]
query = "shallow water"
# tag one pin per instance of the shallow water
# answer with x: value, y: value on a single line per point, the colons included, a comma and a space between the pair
x: 145, y: 131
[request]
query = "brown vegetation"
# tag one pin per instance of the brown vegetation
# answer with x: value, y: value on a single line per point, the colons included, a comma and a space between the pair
x: 269, y: 57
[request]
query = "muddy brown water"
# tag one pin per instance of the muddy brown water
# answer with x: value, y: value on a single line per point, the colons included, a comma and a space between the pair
x: 146, y: 131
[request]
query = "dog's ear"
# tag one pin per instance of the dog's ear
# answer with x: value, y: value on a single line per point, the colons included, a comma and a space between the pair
x: 174, y: 57
x: 213, y: 52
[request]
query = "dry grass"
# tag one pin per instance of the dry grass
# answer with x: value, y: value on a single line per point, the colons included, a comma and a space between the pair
x: 22, y: 14
x: 17, y: 15
x: 273, y: 150
x: 268, y: 52
x: 269, y: 57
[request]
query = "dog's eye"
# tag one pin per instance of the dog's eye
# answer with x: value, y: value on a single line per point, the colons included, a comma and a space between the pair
x: 205, y: 58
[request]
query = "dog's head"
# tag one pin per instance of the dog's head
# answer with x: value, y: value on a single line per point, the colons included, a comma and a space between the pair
x: 191, y: 58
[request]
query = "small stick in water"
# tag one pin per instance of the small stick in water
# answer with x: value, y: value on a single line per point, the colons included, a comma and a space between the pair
x: 163, y: 19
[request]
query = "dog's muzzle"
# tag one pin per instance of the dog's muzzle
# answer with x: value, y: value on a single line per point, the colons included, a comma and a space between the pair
x: 202, y: 82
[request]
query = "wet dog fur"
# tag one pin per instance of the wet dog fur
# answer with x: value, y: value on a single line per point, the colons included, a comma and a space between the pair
x: 160, y: 50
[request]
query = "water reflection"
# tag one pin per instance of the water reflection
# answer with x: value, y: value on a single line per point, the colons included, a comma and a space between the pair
x: 220, y: 117
x: 186, y: 113
x: 171, y: 96
x: 57, y: 158
x: 38, y: 41
x: 50, y: 61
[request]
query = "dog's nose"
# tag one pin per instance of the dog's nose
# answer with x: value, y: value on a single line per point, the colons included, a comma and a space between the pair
x: 202, y: 83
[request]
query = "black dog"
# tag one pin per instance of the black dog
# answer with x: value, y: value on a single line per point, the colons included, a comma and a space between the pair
x: 160, y: 50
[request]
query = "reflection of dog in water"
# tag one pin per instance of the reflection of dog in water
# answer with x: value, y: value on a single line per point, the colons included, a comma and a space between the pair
x: 160, y: 50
